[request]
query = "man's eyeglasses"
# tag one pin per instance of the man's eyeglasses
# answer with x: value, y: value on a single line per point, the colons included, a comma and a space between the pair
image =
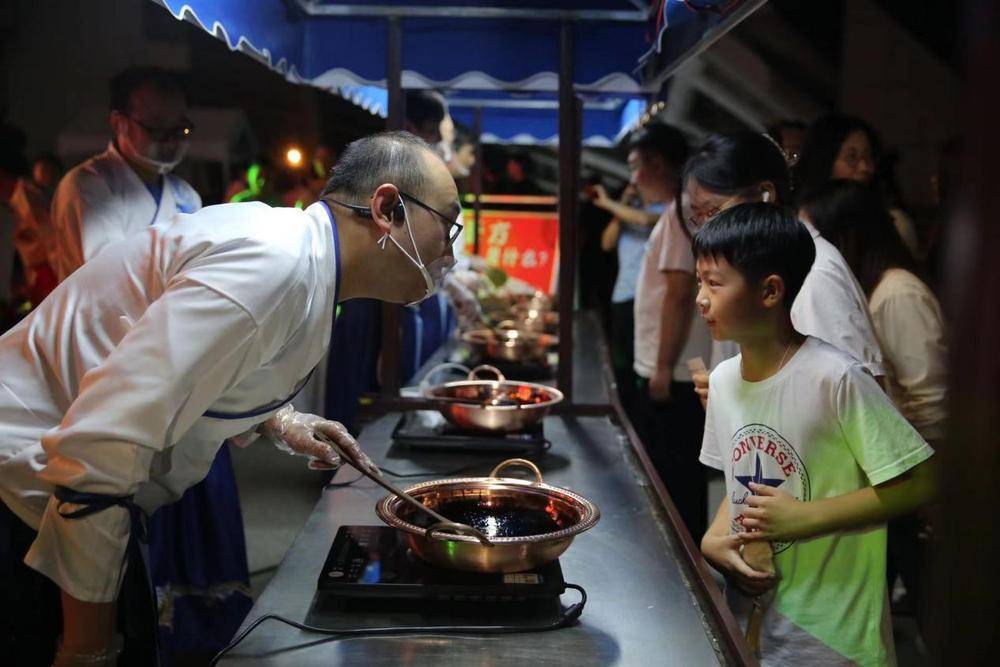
x: 452, y: 228
x: 176, y: 133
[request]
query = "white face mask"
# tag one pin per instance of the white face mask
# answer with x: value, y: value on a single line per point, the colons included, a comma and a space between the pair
x: 162, y: 167
x: 433, y: 273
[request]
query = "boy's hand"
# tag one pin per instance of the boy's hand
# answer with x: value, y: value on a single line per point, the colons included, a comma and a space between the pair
x: 774, y: 516
x: 701, y: 387
x: 699, y: 375
x: 723, y: 552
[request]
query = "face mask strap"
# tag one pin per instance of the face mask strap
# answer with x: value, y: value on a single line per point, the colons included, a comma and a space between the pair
x: 409, y: 229
x: 366, y: 211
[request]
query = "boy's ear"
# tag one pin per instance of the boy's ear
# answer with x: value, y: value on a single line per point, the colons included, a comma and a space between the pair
x: 772, y: 291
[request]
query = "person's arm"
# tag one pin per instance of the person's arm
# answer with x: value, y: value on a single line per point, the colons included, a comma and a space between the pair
x: 675, y: 325
x: 623, y: 212
x: 721, y: 549
x: 778, y: 516
x: 609, y: 237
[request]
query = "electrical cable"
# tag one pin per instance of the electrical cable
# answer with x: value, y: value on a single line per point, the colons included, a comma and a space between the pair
x: 569, y: 616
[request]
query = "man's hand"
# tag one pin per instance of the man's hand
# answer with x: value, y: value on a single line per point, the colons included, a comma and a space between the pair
x: 775, y: 516
x: 295, y: 433
x: 600, y: 195
x: 464, y: 301
x: 659, y: 385
x: 723, y: 552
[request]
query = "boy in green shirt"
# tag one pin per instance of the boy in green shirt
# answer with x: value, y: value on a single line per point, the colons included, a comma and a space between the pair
x: 816, y: 457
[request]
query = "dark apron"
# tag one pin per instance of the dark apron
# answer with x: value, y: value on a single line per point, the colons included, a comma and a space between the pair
x: 138, y: 614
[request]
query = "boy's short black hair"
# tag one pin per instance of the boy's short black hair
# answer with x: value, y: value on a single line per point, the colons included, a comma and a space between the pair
x: 760, y: 240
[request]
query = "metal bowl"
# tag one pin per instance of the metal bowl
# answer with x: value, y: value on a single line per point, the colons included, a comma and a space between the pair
x: 510, y: 344
x: 538, y: 320
x: 499, y: 405
x: 525, y: 318
x: 497, y: 507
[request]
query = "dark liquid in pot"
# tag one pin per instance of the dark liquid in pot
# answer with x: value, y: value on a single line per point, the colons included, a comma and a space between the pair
x: 493, y: 521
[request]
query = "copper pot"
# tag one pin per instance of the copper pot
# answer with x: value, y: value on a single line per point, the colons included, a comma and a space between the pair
x: 506, y: 343
x: 495, y: 506
x: 498, y: 405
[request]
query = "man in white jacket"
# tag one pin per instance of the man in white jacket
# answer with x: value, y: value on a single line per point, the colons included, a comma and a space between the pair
x: 129, y: 186
x: 118, y: 390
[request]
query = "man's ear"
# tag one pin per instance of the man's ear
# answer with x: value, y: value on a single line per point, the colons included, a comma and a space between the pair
x: 386, y: 207
x: 772, y: 291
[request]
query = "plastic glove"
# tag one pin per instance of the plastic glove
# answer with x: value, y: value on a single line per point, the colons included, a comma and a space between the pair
x: 293, y: 433
x: 464, y: 301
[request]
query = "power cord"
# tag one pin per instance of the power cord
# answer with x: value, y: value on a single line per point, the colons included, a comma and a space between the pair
x: 569, y: 616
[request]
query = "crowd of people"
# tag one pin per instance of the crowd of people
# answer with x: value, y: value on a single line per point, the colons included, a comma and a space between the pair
x: 772, y: 318
x: 785, y: 265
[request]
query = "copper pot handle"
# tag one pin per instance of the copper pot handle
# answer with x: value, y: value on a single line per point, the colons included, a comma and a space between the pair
x: 426, y: 381
x: 460, y: 528
x: 519, y: 462
x: 474, y: 373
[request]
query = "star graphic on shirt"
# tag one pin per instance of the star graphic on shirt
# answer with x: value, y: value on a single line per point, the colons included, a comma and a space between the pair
x: 758, y: 477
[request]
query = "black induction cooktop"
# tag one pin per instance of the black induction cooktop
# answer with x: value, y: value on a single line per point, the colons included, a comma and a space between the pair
x: 374, y: 562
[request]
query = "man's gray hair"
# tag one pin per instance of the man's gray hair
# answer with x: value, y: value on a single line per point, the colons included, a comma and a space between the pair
x: 386, y: 157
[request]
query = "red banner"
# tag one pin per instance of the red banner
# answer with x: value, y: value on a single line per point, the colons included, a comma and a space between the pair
x: 524, y: 244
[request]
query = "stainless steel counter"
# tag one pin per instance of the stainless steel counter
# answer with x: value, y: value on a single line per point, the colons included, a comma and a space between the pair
x: 642, y: 609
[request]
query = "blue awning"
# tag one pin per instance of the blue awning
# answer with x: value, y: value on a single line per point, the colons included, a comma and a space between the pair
x: 523, y: 118
x: 685, y: 27
x: 496, y: 45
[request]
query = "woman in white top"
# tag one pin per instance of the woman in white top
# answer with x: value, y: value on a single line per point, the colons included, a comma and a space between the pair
x: 909, y: 326
x: 906, y: 314
x: 731, y: 169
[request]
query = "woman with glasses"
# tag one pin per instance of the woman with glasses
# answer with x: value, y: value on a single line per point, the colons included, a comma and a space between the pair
x: 840, y: 147
x: 732, y: 169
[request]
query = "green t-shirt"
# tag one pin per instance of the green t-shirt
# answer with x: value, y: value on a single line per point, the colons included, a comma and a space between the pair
x: 818, y: 428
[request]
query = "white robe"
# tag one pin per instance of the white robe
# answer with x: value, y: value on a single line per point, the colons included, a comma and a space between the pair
x: 102, y: 201
x: 105, y: 386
